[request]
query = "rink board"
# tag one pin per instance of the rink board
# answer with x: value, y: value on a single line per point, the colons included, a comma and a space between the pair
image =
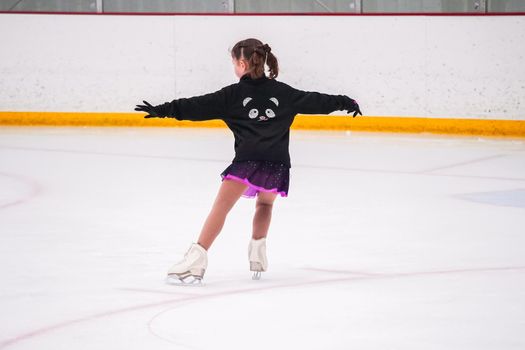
x: 485, y: 127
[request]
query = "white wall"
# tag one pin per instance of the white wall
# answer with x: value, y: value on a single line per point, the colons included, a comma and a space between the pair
x: 459, y: 67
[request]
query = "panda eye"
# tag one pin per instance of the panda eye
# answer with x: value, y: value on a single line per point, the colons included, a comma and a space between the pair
x: 270, y: 113
x: 253, y: 113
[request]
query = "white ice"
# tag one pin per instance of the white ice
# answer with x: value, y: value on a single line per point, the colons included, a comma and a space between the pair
x: 385, y: 242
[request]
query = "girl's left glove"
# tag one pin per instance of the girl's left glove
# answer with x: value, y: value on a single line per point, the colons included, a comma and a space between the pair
x: 153, y: 111
x: 351, y: 105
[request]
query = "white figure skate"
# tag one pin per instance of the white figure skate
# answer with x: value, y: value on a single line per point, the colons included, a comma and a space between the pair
x: 190, y: 270
x: 257, y: 256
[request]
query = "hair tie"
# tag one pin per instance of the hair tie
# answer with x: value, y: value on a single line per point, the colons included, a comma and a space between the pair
x: 267, y: 48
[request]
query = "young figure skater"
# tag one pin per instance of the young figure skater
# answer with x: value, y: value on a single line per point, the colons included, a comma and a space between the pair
x: 259, y: 110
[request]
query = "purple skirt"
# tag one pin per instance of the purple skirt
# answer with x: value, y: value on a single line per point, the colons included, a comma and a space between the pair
x: 260, y: 176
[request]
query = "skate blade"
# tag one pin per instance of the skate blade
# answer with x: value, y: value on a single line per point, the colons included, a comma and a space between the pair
x: 189, y: 281
x: 257, y: 268
x: 256, y: 275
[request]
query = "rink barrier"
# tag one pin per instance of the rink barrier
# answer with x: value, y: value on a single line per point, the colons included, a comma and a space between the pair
x: 482, y: 127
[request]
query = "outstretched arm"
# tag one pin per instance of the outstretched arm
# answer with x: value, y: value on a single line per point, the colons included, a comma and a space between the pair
x: 318, y: 103
x: 205, y: 107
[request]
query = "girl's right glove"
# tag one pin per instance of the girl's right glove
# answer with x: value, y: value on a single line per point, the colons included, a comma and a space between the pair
x: 160, y: 111
x: 350, y: 106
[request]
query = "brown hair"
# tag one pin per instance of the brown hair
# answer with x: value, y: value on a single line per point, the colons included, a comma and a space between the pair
x: 256, y: 54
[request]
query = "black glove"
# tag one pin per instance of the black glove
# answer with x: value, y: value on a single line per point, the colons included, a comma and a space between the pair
x: 350, y: 106
x: 153, y: 112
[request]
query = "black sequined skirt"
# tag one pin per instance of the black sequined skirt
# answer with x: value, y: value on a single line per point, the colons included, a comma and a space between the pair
x: 260, y: 176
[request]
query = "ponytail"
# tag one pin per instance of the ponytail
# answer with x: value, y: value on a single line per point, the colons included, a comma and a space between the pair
x: 257, y: 55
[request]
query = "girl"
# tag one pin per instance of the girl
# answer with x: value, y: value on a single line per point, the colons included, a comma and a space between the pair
x: 259, y: 110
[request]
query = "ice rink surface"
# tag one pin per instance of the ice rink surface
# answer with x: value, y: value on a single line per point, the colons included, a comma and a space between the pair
x: 386, y: 241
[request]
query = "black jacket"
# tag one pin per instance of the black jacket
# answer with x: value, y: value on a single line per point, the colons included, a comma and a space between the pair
x: 259, y: 112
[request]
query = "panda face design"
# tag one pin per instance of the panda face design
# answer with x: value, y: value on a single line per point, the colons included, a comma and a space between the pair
x: 263, y: 111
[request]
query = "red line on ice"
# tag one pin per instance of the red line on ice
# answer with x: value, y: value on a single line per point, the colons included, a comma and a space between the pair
x: 34, y: 190
x: 355, y: 276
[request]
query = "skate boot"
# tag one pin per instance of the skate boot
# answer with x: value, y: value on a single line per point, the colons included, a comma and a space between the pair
x: 257, y: 256
x: 190, y: 270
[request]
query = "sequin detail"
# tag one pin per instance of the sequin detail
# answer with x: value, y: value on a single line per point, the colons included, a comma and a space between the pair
x: 260, y: 176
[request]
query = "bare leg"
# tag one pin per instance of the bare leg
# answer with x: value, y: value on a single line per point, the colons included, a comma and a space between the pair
x: 228, y: 195
x: 263, y: 214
